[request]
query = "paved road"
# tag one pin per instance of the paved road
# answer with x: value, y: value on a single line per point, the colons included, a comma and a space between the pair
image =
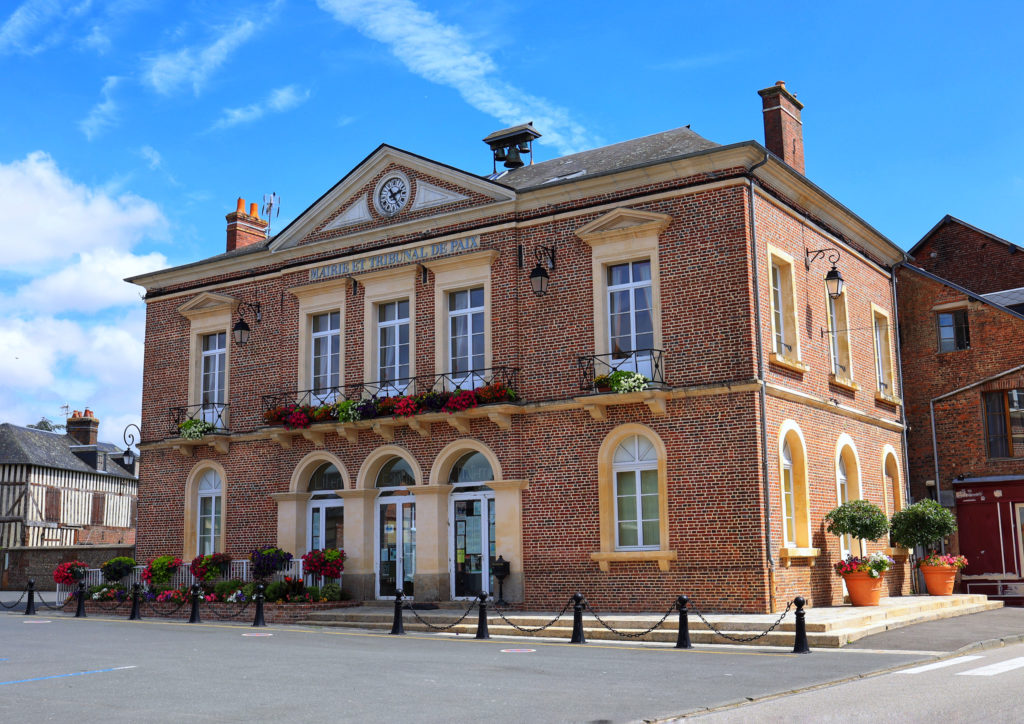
x: 951, y: 634
x: 118, y: 671
x: 980, y: 687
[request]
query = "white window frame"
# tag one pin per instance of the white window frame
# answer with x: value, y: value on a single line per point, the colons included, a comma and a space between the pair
x: 468, y: 377
x: 640, y: 363
x: 636, y: 467
x: 211, y: 410
x: 394, y: 383
x: 325, y: 393
x: 788, y: 497
x: 321, y: 505
x: 881, y: 330
x: 779, y: 345
x: 214, y: 495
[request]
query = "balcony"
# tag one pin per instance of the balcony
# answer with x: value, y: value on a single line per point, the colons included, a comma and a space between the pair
x: 602, y: 377
x: 384, y: 405
x: 196, y: 425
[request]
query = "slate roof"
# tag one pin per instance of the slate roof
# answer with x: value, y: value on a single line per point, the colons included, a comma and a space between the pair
x: 28, y: 446
x: 634, y: 153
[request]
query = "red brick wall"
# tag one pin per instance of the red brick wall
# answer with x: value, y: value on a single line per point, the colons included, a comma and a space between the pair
x: 971, y: 259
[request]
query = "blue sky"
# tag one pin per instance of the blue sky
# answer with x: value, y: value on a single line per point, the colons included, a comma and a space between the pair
x: 130, y: 127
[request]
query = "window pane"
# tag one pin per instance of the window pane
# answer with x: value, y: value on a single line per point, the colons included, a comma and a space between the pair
x: 315, y: 529
x: 335, y: 320
x: 1015, y: 398
x: 649, y: 482
x: 476, y: 297
x: 625, y: 483
x: 646, y: 449
x: 628, y: 533
x: 618, y: 274
x: 652, y: 535
x: 403, y: 309
x: 995, y: 414
x: 624, y: 451
x: 457, y: 300
x: 478, y: 323
x: 649, y: 506
x: 627, y: 508
x: 641, y: 271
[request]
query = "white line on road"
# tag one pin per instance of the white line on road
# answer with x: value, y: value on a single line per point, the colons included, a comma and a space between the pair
x: 938, y: 665
x: 993, y: 669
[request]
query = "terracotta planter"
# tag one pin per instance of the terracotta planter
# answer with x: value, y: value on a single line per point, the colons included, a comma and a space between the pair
x: 939, y: 579
x: 863, y: 589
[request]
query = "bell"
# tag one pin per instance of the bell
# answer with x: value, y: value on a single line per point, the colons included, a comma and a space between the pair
x: 499, y: 154
x: 513, y: 160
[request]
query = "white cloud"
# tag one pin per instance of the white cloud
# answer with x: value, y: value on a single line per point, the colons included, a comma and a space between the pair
x: 443, y: 55
x: 152, y: 156
x: 37, y: 25
x: 279, y: 100
x: 48, y: 217
x: 103, y: 114
x: 168, y: 72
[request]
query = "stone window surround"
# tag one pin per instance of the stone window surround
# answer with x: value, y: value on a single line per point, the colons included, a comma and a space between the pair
x: 789, y: 359
x: 379, y: 287
x: 790, y: 432
x: 191, y: 519
x: 883, y: 357
x: 842, y: 340
x: 314, y: 299
x: 453, y: 274
x: 847, y: 451
x: 208, y: 313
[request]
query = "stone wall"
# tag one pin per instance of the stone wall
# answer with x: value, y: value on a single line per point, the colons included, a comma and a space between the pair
x: 39, y: 562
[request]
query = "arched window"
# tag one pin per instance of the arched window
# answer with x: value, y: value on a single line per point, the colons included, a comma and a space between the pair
x: 892, y: 482
x: 325, y: 477
x: 326, y: 511
x: 847, y: 486
x: 637, y: 510
x: 210, y: 513
x: 396, y: 472
x: 788, y: 497
x: 795, y: 497
x: 473, y: 467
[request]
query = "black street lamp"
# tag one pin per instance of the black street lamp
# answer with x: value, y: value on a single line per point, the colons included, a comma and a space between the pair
x: 833, y: 279
x: 539, y: 278
x: 129, y: 440
x: 241, y: 332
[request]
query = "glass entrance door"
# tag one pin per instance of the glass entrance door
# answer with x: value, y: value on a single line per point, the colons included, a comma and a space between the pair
x: 472, y: 543
x: 326, y: 524
x: 396, y: 549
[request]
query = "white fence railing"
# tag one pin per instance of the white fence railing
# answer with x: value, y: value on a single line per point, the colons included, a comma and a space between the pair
x: 239, y: 570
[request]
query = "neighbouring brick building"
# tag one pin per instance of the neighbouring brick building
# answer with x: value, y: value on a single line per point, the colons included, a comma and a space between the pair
x: 961, y: 309
x: 689, y: 262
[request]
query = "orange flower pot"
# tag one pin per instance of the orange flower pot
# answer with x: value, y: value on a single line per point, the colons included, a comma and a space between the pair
x: 939, y: 579
x: 863, y: 589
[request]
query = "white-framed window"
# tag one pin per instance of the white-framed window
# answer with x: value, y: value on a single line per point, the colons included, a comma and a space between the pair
x: 393, y: 346
x: 843, y: 481
x: 788, y: 497
x: 883, y: 357
x: 637, y: 509
x: 631, y: 315
x: 209, y: 504
x: 214, y: 368
x: 779, y: 343
x: 325, y: 355
x: 326, y: 509
x: 466, y: 336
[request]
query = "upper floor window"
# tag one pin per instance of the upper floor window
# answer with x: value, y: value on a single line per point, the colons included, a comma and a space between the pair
x: 326, y: 353
x: 210, y: 513
x: 840, y: 337
x: 782, y: 296
x: 637, y: 510
x: 1004, y: 423
x: 214, y: 368
x: 630, y: 310
x: 954, y: 332
x: 883, y: 353
x: 393, y: 345
x: 466, y: 338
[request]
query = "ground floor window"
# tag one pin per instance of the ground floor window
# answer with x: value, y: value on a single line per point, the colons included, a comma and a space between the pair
x: 210, y: 514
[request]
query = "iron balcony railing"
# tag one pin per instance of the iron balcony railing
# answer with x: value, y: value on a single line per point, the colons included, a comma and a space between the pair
x: 214, y: 413
x: 648, y: 362
x: 381, y: 389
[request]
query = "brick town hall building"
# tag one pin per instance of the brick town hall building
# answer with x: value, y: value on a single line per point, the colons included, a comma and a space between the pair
x: 688, y: 261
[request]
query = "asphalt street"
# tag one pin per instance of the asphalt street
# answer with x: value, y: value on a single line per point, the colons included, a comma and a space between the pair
x: 980, y: 687
x: 92, y: 670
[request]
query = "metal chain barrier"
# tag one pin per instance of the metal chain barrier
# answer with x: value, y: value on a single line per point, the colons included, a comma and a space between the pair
x: 631, y: 635
x: 229, y: 616
x: 169, y: 613
x: 101, y: 605
x: 525, y: 629
x: 742, y: 639
x: 16, y: 603
x: 441, y: 628
x: 44, y: 604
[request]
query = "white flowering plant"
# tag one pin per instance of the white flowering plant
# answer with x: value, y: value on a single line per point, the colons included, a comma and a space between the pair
x: 626, y: 381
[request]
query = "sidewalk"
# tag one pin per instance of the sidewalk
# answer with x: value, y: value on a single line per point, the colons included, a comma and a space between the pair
x: 984, y: 630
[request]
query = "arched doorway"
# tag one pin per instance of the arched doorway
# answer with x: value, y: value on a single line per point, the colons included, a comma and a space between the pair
x: 325, y: 517
x: 471, y: 543
x: 396, y: 529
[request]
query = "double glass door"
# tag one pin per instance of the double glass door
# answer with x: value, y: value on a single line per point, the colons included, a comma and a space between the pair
x: 396, y: 550
x: 326, y: 523
x: 472, y: 543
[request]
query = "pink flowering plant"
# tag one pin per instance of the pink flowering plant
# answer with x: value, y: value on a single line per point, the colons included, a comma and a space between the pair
x: 460, y: 401
x: 935, y: 559
x: 69, y: 572
x: 874, y: 565
x: 327, y: 563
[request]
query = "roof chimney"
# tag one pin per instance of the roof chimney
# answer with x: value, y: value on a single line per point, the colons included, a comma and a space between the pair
x: 783, y: 129
x: 245, y: 229
x: 83, y: 427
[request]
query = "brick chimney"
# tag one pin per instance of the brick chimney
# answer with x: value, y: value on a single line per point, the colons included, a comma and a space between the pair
x: 83, y: 427
x: 245, y: 229
x: 783, y: 129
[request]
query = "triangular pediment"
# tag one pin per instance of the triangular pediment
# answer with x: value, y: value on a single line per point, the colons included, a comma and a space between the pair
x: 207, y: 303
x: 623, y: 223
x: 427, y: 190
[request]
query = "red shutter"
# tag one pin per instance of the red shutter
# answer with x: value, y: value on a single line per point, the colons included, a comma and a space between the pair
x: 98, y: 502
x: 52, y: 512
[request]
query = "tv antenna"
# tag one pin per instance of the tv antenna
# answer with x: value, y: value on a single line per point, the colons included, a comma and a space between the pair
x: 271, y: 204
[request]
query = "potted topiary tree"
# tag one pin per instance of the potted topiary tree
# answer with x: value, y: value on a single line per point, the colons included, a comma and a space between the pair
x: 924, y: 524
x: 863, y: 575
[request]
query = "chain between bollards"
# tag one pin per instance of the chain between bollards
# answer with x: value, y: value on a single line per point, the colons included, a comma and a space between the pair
x: 30, y: 607
x: 481, y: 619
x: 136, y: 614
x: 197, y: 593
x: 800, y: 641
x: 258, y: 621
x: 683, y: 637
x: 578, y: 605
x: 398, y: 626
x: 80, y: 608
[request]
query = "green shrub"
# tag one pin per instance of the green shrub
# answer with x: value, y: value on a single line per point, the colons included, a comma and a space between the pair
x: 314, y: 592
x: 924, y: 524
x: 249, y: 589
x: 117, y: 568
x: 275, y: 591
x: 858, y: 518
x: 226, y: 588
x: 331, y: 591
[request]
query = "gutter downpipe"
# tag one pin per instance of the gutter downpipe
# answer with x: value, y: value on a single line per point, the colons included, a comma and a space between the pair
x: 903, y: 409
x: 762, y: 391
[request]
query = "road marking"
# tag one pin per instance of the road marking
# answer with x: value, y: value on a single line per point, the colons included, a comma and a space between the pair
x: 518, y: 651
x: 938, y: 665
x: 36, y: 621
x: 64, y: 676
x: 257, y: 634
x: 993, y: 669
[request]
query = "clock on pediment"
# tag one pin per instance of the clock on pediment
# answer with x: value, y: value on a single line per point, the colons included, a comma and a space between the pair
x: 392, y: 193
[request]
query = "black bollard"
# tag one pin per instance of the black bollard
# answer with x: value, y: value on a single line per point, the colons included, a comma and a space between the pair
x: 398, y: 626
x: 800, y: 642
x: 135, y: 615
x: 577, y: 619
x: 197, y: 593
x: 683, y: 637
x: 258, y: 621
x: 30, y: 607
x: 80, y: 609
x: 481, y: 619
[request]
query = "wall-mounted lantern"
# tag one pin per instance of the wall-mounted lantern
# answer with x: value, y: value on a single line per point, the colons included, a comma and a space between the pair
x: 129, y: 440
x: 539, y: 277
x: 833, y: 279
x: 241, y: 332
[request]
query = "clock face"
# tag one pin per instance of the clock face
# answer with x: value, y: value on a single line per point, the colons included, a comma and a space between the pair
x: 392, y: 195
